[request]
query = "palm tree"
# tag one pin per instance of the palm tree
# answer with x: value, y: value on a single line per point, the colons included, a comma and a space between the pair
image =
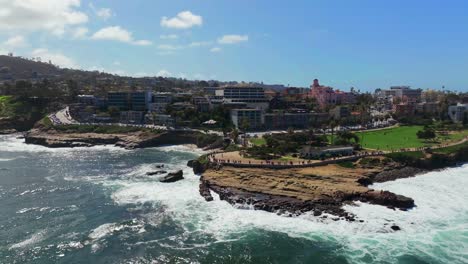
x: 332, y: 124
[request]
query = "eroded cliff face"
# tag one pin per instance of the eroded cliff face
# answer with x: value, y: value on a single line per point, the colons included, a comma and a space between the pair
x: 52, y: 138
x: 323, y: 189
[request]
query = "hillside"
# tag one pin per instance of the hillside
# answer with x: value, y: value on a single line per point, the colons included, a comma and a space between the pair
x: 19, y: 68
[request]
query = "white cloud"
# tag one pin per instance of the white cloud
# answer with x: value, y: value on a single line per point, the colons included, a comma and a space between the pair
x: 117, y: 63
x: 215, y: 49
x: 183, y: 20
x: 117, y: 33
x: 142, y: 42
x: 232, y: 39
x: 170, y: 36
x: 200, y: 43
x: 35, y: 15
x: 80, y: 32
x: 15, y: 42
x: 56, y: 58
x: 169, y: 47
x: 163, y: 73
x: 104, y: 13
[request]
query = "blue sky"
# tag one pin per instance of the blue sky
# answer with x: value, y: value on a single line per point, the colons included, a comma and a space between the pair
x: 366, y: 44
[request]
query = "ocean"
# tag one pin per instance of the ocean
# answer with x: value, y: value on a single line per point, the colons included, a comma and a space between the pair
x: 97, y: 205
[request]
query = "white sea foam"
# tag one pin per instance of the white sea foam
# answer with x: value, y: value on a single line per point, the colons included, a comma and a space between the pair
x: 442, y: 210
x: 35, y: 238
x: 11, y: 143
x: 183, y: 148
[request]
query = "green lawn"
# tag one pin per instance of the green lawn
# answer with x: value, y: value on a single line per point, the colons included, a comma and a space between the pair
x: 258, y: 141
x: 451, y: 149
x: 393, y: 138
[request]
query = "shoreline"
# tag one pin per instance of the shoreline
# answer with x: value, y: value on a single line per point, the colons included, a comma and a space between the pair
x: 291, y: 202
x: 133, y: 140
x: 285, y: 200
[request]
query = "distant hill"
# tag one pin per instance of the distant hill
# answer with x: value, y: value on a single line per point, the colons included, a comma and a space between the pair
x: 15, y: 68
x: 19, y: 68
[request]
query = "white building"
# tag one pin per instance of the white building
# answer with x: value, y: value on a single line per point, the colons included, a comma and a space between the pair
x: 457, y: 112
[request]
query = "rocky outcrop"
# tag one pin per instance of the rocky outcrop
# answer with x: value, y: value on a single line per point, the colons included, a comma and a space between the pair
x: 283, y: 205
x: 323, y: 189
x: 54, y: 139
x: 392, y: 174
x: 204, y: 189
x: 293, y: 206
x: 173, y: 177
x: 151, y: 173
x: 387, y: 199
x: 197, y: 166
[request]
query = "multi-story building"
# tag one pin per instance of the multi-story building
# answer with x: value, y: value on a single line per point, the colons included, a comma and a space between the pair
x: 254, y: 97
x: 404, y: 109
x: 340, y: 112
x: 327, y: 96
x: 458, y: 112
x: 86, y: 99
x: 253, y: 118
x: 161, y: 120
x: 160, y: 102
x: 131, y: 117
x: 406, y: 94
x: 427, y: 108
x: 202, y: 104
x: 210, y: 90
x: 119, y: 100
x: 135, y: 101
x: 300, y: 120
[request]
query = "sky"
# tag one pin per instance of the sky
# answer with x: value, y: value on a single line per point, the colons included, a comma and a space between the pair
x: 366, y: 44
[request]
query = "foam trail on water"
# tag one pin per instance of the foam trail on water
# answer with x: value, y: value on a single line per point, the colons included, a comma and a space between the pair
x: 11, y: 143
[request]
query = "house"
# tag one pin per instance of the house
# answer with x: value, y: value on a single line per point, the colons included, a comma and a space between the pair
x: 458, y: 113
x: 253, y: 118
x: 310, y: 152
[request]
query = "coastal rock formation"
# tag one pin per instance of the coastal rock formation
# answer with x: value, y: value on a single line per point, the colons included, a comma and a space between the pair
x: 173, y: 177
x: 151, y: 173
x: 141, y: 139
x: 396, y: 173
x: 323, y: 189
x: 387, y: 199
x: 204, y: 189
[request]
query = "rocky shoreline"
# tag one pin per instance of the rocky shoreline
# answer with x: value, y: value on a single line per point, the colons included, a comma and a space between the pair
x: 55, y: 139
x: 328, y: 202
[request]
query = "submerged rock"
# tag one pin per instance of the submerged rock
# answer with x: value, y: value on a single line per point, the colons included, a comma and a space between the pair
x: 150, y: 173
x: 173, y: 176
x: 204, y: 189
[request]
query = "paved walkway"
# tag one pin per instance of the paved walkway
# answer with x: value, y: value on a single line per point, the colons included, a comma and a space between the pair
x: 236, y: 159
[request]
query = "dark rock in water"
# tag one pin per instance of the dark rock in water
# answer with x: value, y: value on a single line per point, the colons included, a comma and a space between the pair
x: 198, y: 168
x: 204, y: 190
x: 190, y: 163
x: 160, y: 166
x: 150, y: 173
x: 173, y: 176
x: 364, y: 181
x: 391, y: 174
x: 395, y: 228
x: 387, y: 199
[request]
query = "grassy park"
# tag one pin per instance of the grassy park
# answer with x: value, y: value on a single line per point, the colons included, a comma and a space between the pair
x: 404, y: 137
x: 392, y: 138
x: 258, y: 141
